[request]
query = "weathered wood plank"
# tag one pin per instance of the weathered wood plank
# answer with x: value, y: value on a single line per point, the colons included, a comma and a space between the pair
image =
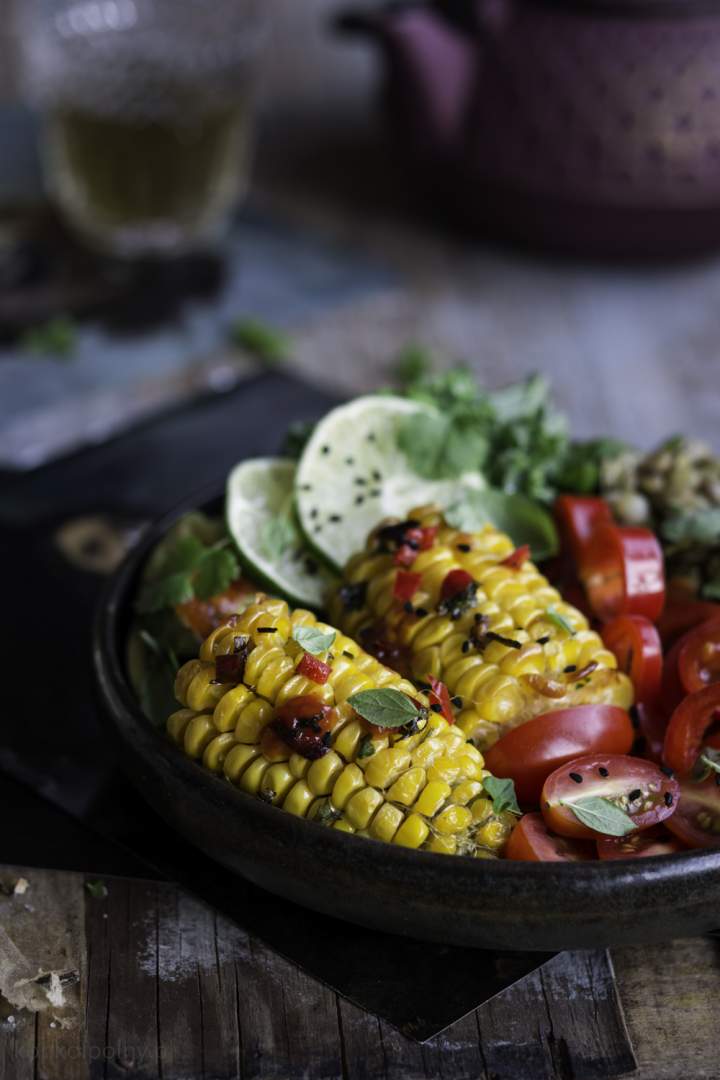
x: 671, y: 994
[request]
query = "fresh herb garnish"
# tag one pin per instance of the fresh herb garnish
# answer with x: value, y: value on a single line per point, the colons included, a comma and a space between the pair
x: 502, y: 793
x: 313, y: 640
x: 54, y: 338
x: 264, y: 342
x: 366, y: 747
x: 554, y: 616
x: 412, y: 364
x: 327, y: 814
x: 709, y: 761
x: 385, y: 708
x: 602, y: 816
x: 189, y: 569
x: 525, y: 521
x: 97, y: 889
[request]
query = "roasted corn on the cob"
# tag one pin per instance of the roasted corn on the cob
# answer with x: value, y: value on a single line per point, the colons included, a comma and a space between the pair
x: 251, y: 714
x: 465, y: 608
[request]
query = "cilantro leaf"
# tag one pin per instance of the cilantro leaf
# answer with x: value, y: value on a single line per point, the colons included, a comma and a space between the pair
x: 412, y: 364
x: 554, y: 616
x: 217, y: 569
x: 264, y: 342
x: 385, y: 708
x: 602, y: 816
x: 502, y: 793
x: 165, y: 592
x: 182, y: 556
x: 525, y: 521
x: 313, y: 640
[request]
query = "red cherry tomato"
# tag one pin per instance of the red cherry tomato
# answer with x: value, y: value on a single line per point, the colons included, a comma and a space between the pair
x: 577, y: 516
x: 682, y: 612
x: 697, y: 819
x: 638, y: 649
x: 455, y: 582
x: 639, y: 845
x: 699, y: 656
x: 530, y: 752
x: 638, y: 787
x: 689, y: 724
x: 303, y: 723
x: 532, y: 841
x: 315, y: 670
x: 652, y: 722
x: 623, y: 572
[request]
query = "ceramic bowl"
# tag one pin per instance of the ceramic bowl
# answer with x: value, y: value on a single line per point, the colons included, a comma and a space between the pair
x: 451, y: 900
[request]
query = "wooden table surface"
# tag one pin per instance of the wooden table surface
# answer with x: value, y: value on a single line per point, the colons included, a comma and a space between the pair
x: 167, y: 988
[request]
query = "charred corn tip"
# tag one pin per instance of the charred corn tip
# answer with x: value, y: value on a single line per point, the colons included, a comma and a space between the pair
x: 414, y: 788
x: 501, y: 652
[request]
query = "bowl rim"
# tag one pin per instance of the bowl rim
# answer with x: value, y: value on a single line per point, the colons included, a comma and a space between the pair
x: 579, y: 879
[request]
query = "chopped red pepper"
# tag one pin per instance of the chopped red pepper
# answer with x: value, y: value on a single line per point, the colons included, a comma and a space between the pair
x: 406, y: 585
x: 517, y: 557
x: 440, y: 695
x: 315, y: 670
x: 429, y: 536
x: 455, y: 582
x: 405, y: 555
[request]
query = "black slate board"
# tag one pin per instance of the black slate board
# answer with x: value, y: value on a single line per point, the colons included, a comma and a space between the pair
x: 53, y: 742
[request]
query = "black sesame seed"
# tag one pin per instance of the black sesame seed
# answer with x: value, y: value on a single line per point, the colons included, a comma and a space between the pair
x: 359, y: 500
x: 576, y: 777
x: 325, y: 450
x: 311, y: 567
x: 669, y: 800
x: 636, y: 794
x: 667, y: 771
x: 603, y: 771
x: 569, y: 668
x: 314, y: 512
x: 375, y: 492
x: 376, y: 475
x: 463, y: 547
x: 335, y: 517
x: 360, y: 480
x: 346, y: 653
x: 467, y: 645
x: 306, y: 487
x: 436, y: 707
x: 457, y: 702
x: 371, y: 436
x: 266, y: 629
x: 543, y: 640
x: 421, y: 612
x: 349, y: 461
x: 407, y: 606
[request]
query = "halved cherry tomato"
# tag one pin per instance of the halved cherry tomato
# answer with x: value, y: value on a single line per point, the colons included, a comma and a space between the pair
x: 530, y: 752
x: 692, y: 719
x: 652, y: 722
x: 440, y: 695
x: 638, y: 787
x: 623, y: 572
x: 638, y: 649
x: 577, y: 516
x: 639, y: 845
x: 697, y: 820
x: 315, y: 670
x: 672, y: 690
x: 682, y: 612
x: 699, y: 656
x: 532, y: 841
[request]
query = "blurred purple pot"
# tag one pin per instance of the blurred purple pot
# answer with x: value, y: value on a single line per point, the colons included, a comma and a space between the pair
x: 592, y: 127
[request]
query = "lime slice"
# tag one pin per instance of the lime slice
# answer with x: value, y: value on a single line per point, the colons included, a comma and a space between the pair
x: 259, y: 508
x: 352, y: 474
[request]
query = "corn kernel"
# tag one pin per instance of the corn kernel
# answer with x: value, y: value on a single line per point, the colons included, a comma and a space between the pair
x: 406, y: 788
x: 465, y: 791
x: 251, y: 720
x: 348, y: 782
x: 432, y: 797
x: 251, y: 779
x: 492, y: 834
x: 277, y: 781
x: 198, y: 734
x: 216, y: 751
x: 229, y: 708
x: 361, y: 806
x: 323, y: 773
x: 412, y: 833
x: 298, y: 766
x: 453, y: 819
x: 386, y: 822
x: 443, y: 845
x: 298, y: 799
x: 385, y: 766
x: 237, y: 759
x: 177, y: 722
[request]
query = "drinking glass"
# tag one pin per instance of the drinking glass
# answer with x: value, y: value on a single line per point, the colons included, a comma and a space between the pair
x: 147, y: 108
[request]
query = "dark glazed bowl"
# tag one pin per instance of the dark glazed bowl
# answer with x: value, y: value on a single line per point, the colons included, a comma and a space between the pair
x: 452, y: 900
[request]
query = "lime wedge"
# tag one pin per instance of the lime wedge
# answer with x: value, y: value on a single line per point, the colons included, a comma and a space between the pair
x: 352, y: 474
x: 259, y: 508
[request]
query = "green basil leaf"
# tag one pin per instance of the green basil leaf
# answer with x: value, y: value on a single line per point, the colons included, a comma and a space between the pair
x: 165, y: 593
x: 554, y: 616
x: 602, y: 816
x: 385, y: 708
x: 502, y: 793
x: 313, y: 640
x: 523, y: 519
